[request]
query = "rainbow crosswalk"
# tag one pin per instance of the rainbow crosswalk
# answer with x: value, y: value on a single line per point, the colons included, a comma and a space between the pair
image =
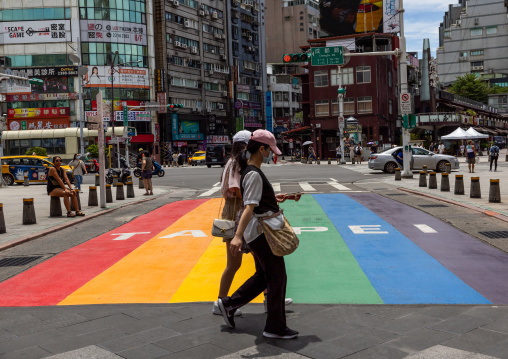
x: 354, y: 248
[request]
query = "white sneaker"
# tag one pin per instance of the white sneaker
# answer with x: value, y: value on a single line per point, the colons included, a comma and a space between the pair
x: 287, y: 301
x: 217, y: 311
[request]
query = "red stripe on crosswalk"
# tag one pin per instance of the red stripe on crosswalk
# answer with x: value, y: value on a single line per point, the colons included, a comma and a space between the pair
x: 53, y: 280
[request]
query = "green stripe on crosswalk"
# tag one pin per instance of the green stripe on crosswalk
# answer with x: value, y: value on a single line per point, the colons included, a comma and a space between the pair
x: 322, y: 269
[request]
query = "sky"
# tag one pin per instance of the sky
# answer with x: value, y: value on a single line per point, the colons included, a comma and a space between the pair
x: 421, y: 20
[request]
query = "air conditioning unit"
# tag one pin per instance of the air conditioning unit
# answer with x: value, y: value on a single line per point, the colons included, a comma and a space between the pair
x: 207, y: 13
x: 195, y: 109
x: 476, y: 68
x: 250, y: 49
x: 462, y: 58
x: 217, y: 36
x: 184, y: 46
x: 202, y: 7
x: 194, y: 49
x: 296, y: 87
x: 201, y: 13
x: 223, y: 57
x: 220, y: 106
x: 476, y: 21
x: 210, y: 72
x: 223, y: 36
x: 259, y: 88
x: 215, y: 15
x: 224, y: 94
x: 208, y: 110
x: 176, y: 3
x: 178, y: 44
x: 186, y: 24
x: 417, y: 92
x: 249, y: 38
x: 458, y: 22
x: 212, y: 51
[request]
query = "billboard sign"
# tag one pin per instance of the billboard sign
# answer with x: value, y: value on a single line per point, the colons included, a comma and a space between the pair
x: 347, y: 17
x: 125, y: 77
x: 38, y: 112
x: 30, y: 32
x: 113, y: 31
x: 38, y: 124
x: 269, y: 111
x: 42, y: 97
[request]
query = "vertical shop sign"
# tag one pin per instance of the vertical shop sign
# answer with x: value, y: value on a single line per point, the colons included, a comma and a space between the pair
x: 269, y: 111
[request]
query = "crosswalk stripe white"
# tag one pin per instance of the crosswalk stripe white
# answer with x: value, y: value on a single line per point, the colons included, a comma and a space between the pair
x: 209, y: 192
x: 276, y: 187
x: 217, y: 184
x: 425, y: 228
x: 338, y: 186
x: 306, y: 187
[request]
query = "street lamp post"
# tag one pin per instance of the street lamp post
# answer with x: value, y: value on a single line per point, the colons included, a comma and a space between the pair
x: 340, y: 99
x: 112, y: 106
x: 403, y: 89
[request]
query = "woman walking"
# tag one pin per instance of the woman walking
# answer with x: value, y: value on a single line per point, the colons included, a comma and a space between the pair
x: 471, y: 156
x: 259, y: 200
x: 78, y: 169
x: 146, y: 173
x: 57, y: 178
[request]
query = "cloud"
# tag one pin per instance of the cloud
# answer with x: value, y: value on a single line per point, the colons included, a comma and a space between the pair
x: 426, y: 5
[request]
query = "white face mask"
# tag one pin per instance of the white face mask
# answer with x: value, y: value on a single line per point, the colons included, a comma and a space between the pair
x: 267, y: 158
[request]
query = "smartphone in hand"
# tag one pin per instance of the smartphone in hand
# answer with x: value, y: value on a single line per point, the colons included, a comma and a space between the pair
x: 294, y: 196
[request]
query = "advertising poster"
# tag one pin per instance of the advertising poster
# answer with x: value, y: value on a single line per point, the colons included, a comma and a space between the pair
x: 391, y: 22
x: 347, y: 17
x: 125, y: 77
x: 29, y: 32
x: 188, y: 127
x: 113, y: 31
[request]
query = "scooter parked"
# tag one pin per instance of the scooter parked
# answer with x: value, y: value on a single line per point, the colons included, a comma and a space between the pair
x: 122, y: 173
x: 157, y: 170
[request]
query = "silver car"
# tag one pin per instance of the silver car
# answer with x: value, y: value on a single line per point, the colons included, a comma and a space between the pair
x: 385, y: 161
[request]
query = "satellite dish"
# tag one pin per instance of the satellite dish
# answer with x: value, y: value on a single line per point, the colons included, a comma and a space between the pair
x: 75, y: 59
x: 82, y: 70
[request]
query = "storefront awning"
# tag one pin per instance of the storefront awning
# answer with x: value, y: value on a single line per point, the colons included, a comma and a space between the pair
x: 297, y: 131
x: 143, y: 138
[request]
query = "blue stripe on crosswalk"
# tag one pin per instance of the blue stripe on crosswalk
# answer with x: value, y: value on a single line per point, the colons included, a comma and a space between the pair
x: 400, y: 271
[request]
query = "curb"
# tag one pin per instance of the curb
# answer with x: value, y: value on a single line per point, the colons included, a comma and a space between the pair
x: 57, y: 228
x: 494, y: 214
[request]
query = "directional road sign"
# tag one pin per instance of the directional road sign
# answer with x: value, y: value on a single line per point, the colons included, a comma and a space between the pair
x: 324, y: 56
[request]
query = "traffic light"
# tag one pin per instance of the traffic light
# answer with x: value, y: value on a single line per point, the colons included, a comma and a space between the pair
x: 174, y: 106
x: 303, y: 57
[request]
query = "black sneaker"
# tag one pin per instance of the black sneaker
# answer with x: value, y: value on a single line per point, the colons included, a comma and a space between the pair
x: 287, y: 334
x: 229, y: 316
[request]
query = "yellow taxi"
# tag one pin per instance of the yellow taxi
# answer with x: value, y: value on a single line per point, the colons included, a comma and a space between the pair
x: 15, y: 168
x: 369, y: 16
x: 198, y: 158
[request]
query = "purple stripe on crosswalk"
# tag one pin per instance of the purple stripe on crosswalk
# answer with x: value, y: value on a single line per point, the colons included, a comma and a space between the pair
x: 480, y: 265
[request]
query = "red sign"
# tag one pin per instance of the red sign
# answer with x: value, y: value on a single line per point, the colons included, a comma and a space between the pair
x: 297, y: 125
x: 157, y: 139
x: 38, y: 124
x: 161, y: 98
x: 119, y: 107
x: 38, y: 112
x: 42, y: 97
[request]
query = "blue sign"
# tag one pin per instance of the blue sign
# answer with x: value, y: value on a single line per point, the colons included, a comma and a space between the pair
x: 269, y: 111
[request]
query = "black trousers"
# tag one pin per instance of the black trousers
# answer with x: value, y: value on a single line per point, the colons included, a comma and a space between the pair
x: 270, y: 274
x: 492, y: 159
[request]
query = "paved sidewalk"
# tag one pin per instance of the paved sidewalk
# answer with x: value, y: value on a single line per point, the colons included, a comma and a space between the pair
x: 12, y: 199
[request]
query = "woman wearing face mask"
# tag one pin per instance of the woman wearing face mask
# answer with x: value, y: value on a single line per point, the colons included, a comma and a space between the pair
x: 78, y: 168
x: 259, y: 200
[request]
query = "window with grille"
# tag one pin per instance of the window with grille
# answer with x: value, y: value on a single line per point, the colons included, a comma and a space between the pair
x: 363, y: 74
x: 365, y: 104
x: 320, y: 78
x: 322, y: 108
x: 348, y: 77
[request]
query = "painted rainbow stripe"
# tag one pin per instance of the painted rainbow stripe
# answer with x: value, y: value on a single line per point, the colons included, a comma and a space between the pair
x: 178, y: 260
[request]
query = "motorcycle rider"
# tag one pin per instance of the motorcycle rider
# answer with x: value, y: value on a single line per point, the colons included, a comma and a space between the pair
x: 139, y: 158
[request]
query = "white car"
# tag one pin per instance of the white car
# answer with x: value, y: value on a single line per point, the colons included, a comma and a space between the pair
x: 386, y: 160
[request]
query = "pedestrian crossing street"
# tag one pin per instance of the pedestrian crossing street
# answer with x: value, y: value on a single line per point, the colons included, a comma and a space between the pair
x: 312, y: 187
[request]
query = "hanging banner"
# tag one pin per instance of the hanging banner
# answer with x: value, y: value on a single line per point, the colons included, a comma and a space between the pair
x: 269, y: 111
x: 34, y: 32
x: 113, y: 31
x: 390, y: 16
x: 125, y: 77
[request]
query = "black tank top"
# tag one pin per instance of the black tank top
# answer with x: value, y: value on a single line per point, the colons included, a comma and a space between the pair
x: 53, y: 182
x: 268, y: 201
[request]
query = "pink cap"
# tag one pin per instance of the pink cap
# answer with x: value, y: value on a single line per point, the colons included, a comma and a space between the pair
x: 267, y: 138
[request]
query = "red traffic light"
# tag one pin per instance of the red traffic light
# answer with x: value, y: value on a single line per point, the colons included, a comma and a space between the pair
x: 287, y: 58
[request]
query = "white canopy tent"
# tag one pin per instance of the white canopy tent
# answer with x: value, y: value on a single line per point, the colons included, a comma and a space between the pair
x: 458, y: 134
x: 477, y: 135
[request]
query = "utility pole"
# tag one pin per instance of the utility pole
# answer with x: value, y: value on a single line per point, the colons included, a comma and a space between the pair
x: 406, y: 173
x: 112, y: 109
x: 81, y: 118
x: 340, y: 98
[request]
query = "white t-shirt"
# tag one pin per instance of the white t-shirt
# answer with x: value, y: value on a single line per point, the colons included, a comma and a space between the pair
x: 441, y: 148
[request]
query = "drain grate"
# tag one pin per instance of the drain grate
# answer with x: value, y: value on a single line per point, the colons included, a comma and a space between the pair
x: 495, y: 234
x: 432, y: 205
x: 17, y: 261
x: 396, y: 194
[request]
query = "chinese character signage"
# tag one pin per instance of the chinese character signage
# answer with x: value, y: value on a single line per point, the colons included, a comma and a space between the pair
x: 29, y: 32
x: 217, y: 139
x: 390, y: 16
x: 269, y: 112
x: 143, y: 116
x: 41, y: 97
x: 113, y: 31
x: 38, y: 112
x: 127, y: 77
x: 53, y: 71
x: 38, y: 124
x: 160, y: 80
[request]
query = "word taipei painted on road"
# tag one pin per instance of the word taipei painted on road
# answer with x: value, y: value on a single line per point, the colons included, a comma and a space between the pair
x: 357, y: 248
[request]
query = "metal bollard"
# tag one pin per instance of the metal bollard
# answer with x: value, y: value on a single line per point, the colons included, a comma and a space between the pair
x: 97, y: 180
x: 448, y: 167
x: 29, y: 211
x: 141, y: 184
x: 119, y: 192
x: 76, y: 191
x: 115, y: 181
x: 55, y: 207
x: 398, y: 176
x: 459, y: 184
x: 329, y: 161
x: 432, y: 180
x: 445, y: 182
x: 424, y: 169
x: 109, y: 194
x: 25, y: 181
x: 3, y: 229
x: 475, y: 191
x: 423, y: 179
x: 318, y: 161
x: 494, y: 193
x: 130, y: 190
x: 92, y: 196
x: 129, y: 179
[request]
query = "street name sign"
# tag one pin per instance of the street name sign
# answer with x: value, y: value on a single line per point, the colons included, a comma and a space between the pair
x: 324, y: 56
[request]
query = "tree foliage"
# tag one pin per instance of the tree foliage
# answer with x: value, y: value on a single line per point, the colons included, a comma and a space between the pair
x: 94, y: 151
x: 39, y: 151
x: 471, y: 87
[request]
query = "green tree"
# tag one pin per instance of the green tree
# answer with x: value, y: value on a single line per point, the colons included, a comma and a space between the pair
x: 94, y: 151
x: 39, y: 151
x: 471, y: 87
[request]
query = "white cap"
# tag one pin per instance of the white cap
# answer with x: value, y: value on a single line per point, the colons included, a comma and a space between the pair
x: 242, y: 136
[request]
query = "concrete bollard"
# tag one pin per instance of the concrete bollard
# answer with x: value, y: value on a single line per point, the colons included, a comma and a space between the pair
x: 353, y: 160
x: 475, y: 191
x: 119, y: 192
x: 494, y: 194
x: 448, y: 167
x: 459, y: 185
x: 109, y: 194
x: 29, y: 211
x: 318, y: 161
x: 506, y: 157
x: 97, y: 180
x: 303, y: 160
x: 423, y: 179
x: 129, y: 179
x: 92, y: 197
x: 398, y: 176
x: 329, y: 161
x: 25, y: 181
x: 76, y: 191
x: 55, y: 207
x: 424, y: 169
x: 309, y: 161
x: 141, y: 184
x: 445, y: 182
x: 130, y: 190
x: 432, y: 180
x: 3, y: 229
x: 115, y: 181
